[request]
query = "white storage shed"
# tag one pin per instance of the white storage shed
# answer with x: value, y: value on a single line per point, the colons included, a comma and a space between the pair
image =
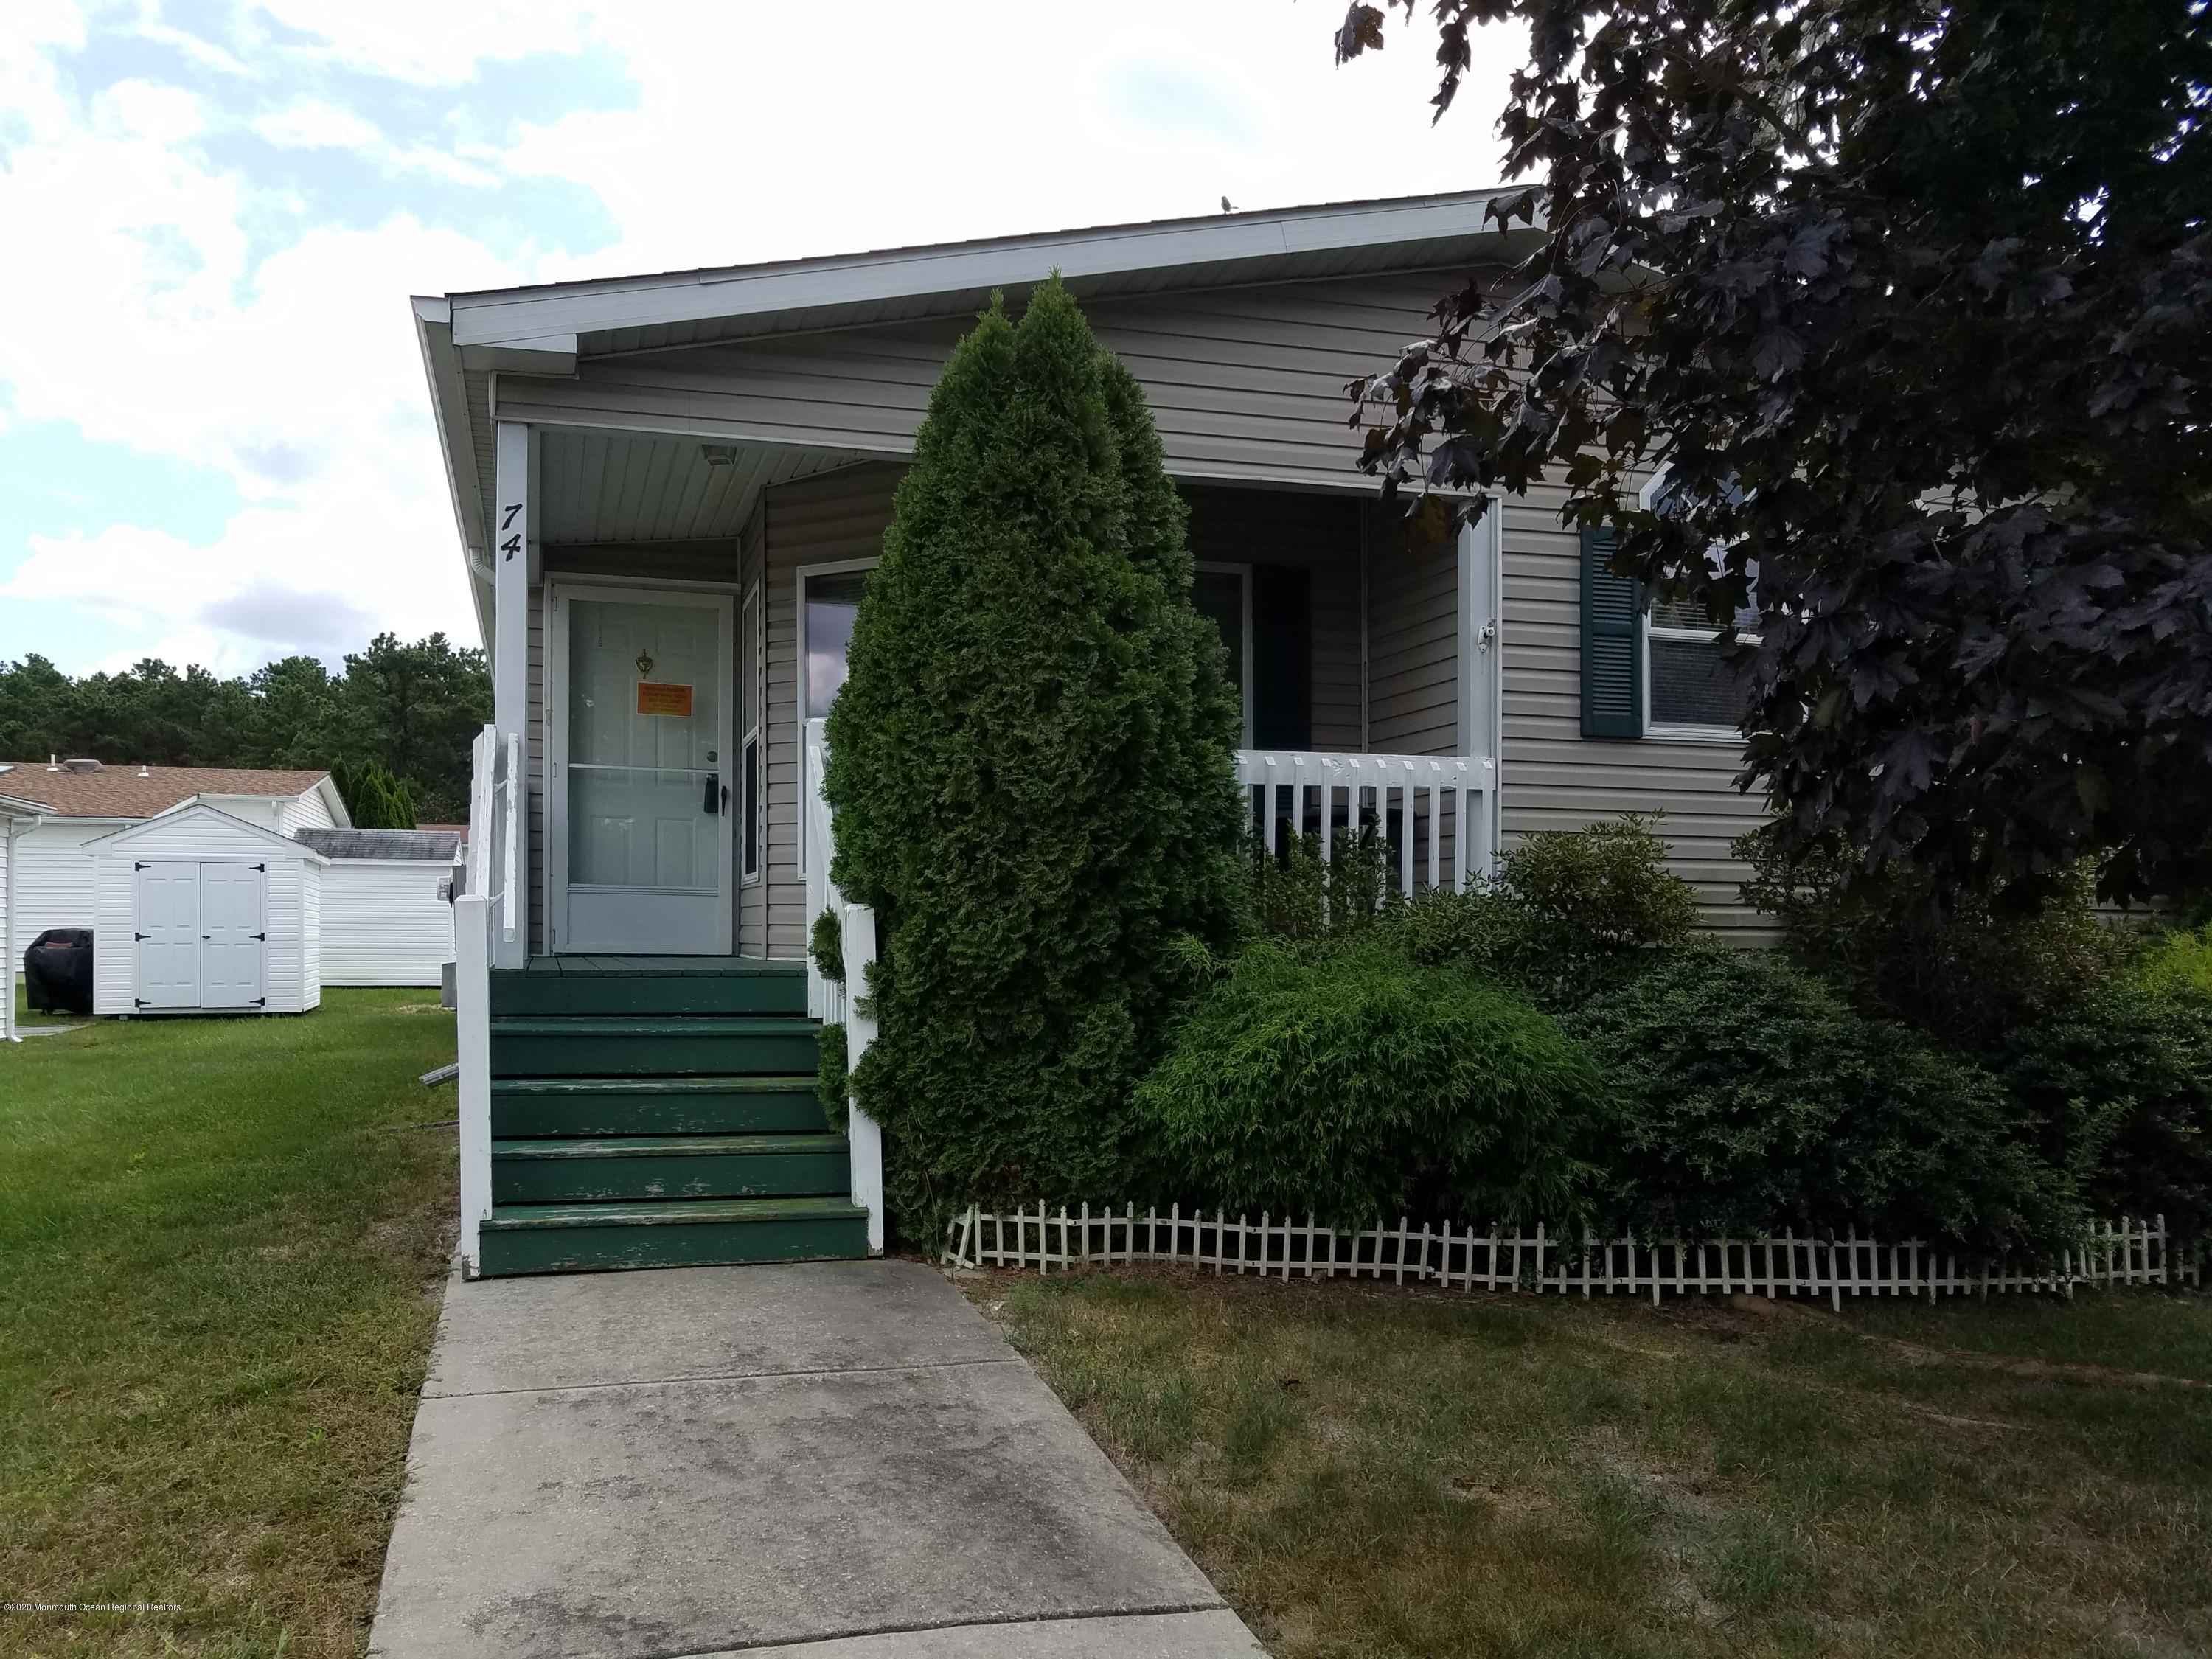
x: 199, y: 912
x: 387, y: 916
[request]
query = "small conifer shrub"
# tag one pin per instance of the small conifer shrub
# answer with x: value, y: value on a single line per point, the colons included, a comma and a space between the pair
x: 1031, y: 769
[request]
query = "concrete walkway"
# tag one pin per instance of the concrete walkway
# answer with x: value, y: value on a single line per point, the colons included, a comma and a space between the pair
x: 825, y: 1461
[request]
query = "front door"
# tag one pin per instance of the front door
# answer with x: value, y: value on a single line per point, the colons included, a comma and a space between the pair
x: 641, y: 856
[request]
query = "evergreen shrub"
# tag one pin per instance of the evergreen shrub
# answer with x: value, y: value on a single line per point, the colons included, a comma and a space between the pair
x: 2115, y: 1085
x: 1359, y: 1086
x: 1032, y: 765
x: 1967, y: 971
x: 373, y: 798
x: 1752, y: 1096
x: 832, y: 1080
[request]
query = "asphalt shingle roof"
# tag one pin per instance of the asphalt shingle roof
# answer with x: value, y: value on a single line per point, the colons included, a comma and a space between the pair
x: 118, y: 791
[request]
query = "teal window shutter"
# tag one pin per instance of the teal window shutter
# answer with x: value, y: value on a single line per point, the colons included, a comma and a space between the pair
x: 1612, y: 644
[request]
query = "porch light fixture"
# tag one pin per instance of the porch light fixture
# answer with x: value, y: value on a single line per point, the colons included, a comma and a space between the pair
x: 719, y: 454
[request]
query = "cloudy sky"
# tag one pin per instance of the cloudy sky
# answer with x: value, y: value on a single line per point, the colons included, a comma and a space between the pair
x: 214, y: 441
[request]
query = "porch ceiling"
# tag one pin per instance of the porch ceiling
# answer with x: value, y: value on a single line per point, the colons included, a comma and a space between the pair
x: 602, y: 487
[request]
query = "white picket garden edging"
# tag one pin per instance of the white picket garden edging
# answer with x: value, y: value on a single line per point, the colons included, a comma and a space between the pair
x: 2128, y: 1252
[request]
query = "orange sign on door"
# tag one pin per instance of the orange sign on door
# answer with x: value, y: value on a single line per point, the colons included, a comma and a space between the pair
x: 653, y: 698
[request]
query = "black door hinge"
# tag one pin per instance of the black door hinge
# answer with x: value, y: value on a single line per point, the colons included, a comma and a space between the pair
x: 263, y: 868
x: 261, y: 1002
x: 138, y: 866
x: 137, y: 1002
x: 141, y: 935
x: 263, y: 937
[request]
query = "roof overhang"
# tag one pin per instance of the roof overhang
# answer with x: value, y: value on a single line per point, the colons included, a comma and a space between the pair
x: 15, y: 807
x: 549, y: 329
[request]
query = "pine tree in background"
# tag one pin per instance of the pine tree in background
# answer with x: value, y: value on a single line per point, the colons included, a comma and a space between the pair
x: 1032, y: 765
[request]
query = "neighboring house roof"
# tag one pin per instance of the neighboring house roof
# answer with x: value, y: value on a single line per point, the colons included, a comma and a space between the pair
x: 120, y: 792
x: 430, y: 846
x: 168, y: 821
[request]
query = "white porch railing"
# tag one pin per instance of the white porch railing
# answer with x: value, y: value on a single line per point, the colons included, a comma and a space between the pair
x: 488, y: 921
x: 845, y: 1002
x: 1435, y: 813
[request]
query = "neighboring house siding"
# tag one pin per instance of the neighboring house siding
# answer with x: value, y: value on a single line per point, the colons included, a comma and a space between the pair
x: 1412, y: 641
x: 1554, y: 778
x: 56, y: 877
x: 383, y: 923
x: 307, y: 811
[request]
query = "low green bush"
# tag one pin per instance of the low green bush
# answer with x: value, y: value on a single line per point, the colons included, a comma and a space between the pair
x: 1359, y: 1085
x: 2117, y: 1086
x: 1568, y: 912
x: 1966, y: 970
x: 1754, y: 1096
x: 2176, y: 963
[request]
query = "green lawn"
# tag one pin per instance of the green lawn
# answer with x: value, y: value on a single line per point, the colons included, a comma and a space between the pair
x: 219, y: 1246
x: 1415, y: 1475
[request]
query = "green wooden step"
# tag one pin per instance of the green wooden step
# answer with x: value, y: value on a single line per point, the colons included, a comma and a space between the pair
x: 751, y: 988
x: 668, y: 1167
x: 563, y: 1106
x: 638, y: 1046
x: 551, y: 1239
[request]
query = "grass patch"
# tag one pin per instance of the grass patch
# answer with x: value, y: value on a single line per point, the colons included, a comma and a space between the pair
x: 1394, y: 1473
x: 220, y: 1241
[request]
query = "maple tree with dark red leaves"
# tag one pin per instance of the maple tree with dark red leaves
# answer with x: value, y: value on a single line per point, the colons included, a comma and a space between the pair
x: 1912, y: 302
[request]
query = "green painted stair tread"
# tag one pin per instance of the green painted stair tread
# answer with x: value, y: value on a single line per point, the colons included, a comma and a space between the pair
x: 560, y: 1088
x: 679, y: 1212
x: 645, y: 1025
x: 737, y: 1146
x: 616, y: 967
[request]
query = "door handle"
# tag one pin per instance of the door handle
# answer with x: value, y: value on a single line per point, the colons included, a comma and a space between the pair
x: 712, y: 803
x: 725, y: 800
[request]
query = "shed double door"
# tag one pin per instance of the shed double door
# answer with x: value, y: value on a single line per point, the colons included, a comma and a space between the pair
x: 202, y: 935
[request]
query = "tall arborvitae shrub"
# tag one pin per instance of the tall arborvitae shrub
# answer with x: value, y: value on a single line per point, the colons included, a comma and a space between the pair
x: 1031, y: 769
x: 375, y: 800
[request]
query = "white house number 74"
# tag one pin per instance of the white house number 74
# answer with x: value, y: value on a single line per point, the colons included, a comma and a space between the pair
x: 509, y: 547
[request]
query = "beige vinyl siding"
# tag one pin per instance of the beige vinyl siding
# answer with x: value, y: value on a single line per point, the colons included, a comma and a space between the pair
x: 1244, y: 383
x: 1413, y: 641
x: 1247, y: 386
x: 533, y: 765
x: 1320, y: 534
x: 1554, y: 778
x: 752, y: 896
x: 828, y: 520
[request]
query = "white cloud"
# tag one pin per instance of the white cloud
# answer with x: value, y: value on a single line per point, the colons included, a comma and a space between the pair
x: 189, y: 309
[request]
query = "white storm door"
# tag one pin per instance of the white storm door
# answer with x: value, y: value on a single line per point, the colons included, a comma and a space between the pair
x: 641, y: 789
x: 169, y: 935
x: 233, y: 936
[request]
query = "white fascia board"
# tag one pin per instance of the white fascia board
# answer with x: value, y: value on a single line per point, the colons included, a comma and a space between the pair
x: 515, y: 315
x: 14, y: 807
x: 449, y: 407
x: 553, y: 355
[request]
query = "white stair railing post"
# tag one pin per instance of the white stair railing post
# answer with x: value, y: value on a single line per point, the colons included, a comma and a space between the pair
x: 863, y: 1134
x: 472, y: 1030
